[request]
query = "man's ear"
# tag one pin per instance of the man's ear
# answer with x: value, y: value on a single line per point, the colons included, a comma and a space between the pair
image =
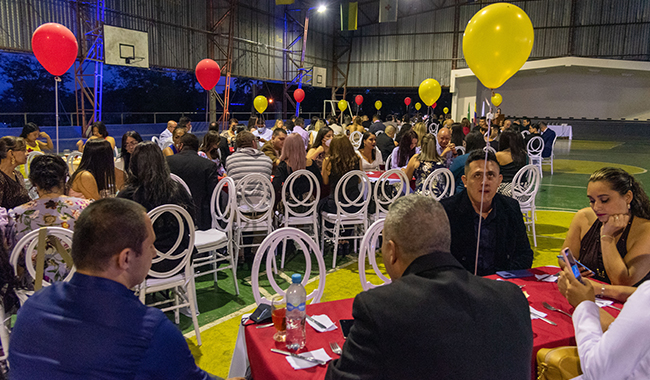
x: 123, y: 259
x: 464, y: 178
x: 394, y: 252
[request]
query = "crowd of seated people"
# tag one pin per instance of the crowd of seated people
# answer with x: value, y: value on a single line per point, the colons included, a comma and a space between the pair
x: 609, y: 237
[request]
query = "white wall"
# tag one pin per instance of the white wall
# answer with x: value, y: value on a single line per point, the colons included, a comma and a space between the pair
x: 572, y: 92
x: 465, y: 95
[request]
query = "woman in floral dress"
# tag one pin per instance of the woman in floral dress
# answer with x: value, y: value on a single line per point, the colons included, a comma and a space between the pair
x: 52, y: 209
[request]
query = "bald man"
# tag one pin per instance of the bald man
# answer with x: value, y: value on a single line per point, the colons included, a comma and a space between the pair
x: 167, y: 133
x: 386, y: 141
x: 446, y: 149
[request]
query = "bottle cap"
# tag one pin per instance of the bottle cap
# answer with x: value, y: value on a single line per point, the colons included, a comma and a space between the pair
x: 296, y: 278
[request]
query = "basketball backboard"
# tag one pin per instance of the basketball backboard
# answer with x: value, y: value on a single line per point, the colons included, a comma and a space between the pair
x: 126, y: 47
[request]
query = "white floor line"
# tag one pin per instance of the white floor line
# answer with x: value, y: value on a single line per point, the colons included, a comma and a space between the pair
x: 251, y: 307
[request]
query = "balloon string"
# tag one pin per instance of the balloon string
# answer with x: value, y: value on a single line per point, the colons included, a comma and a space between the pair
x: 480, y: 213
x: 56, y: 103
x: 207, y: 105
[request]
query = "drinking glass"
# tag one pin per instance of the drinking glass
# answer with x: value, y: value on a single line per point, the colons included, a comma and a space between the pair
x: 279, y: 306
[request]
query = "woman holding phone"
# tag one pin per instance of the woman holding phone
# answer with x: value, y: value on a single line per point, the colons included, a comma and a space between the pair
x: 612, y: 237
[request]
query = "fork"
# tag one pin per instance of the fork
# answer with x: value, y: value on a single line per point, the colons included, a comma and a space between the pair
x: 336, y: 348
x: 546, y: 305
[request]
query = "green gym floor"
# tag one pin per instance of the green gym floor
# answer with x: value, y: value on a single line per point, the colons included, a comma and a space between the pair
x: 560, y: 195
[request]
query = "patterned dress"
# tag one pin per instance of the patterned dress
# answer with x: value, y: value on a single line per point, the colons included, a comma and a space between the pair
x: 423, y: 171
x: 49, y: 212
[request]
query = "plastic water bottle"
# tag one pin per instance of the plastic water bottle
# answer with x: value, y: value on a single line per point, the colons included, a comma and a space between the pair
x: 296, y: 297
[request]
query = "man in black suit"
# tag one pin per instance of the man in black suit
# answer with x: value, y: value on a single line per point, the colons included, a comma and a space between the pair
x: 504, y: 244
x: 200, y: 175
x: 435, y: 320
x: 549, y: 137
x: 386, y: 142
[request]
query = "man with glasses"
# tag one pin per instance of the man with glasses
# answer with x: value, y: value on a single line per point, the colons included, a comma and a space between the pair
x: 503, y: 242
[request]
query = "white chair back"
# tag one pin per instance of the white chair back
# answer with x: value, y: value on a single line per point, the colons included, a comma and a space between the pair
x: 180, y: 180
x: 535, y: 147
x: 490, y: 149
x: 183, y: 257
x: 223, y: 212
x: 389, y: 161
x: 369, y: 246
x: 292, y: 202
x: 433, y: 128
x: 255, y: 198
x: 355, y: 139
x: 460, y: 150
x: 305, y: 244
x: 525, y: 185
x: 439, y: 184
x: 116, y: 154
x: 155, y: 140
x: 30, y: 157
x: 29, y: 244
x: 342, y: 198
x: 387, y: 190
x: 524, y: 133
x: 71, y: 158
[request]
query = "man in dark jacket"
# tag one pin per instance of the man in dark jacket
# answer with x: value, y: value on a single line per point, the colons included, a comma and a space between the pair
x: 385, y: 142
x: 504, y: 244
x: 435, y: 320
x: 200, y: 175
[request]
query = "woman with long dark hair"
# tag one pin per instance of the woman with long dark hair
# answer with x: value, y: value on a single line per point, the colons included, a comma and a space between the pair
x: 405, y: 150
x: 31, y: 133
x: 150, y: 185
x: 129, y: 140
x: 95, y: 178
x: 457, y: 135
x: 424, y: 163
x: 12, y: 184
x: 370, y: 156
x: 321, y: 146
x: 613, y: 235
x: 210, y: 149
x: 98, y: 132
x: 512, y: 157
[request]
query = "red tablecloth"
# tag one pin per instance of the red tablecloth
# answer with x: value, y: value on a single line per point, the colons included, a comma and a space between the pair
x: 268, y: 365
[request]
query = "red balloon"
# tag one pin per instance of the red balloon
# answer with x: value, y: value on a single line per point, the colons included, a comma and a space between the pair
x: 208, y: 73
x: 434, y: 105
x: 407, y: 101
x: 358, y: 99
x: 55, y: 47
x: 299, y: 95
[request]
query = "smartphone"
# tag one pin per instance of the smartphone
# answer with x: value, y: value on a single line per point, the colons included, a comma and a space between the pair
x: 583, y: 266
x: 346, y: 325
x: 571, y: 261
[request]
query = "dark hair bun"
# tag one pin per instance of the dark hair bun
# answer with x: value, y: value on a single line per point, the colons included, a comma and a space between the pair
x: 48, y: 171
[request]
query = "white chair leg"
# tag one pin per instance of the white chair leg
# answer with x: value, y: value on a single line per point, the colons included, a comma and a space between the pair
x: 233, y: 266
x: 191, y: 295
x: 534, y: 234
x: 336, y: 243
x: 284, y: 251
x: 177, y: 317
x: 215, y: 265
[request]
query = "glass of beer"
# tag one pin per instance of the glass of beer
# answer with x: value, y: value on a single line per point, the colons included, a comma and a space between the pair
x: 279, y: 306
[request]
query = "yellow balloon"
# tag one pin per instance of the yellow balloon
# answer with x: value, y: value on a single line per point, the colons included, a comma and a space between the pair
x: 418, y: 106
x: 343, y: 105
x: 429, y: 91
x: 378, y: 104
x: 497, y: 42
x: 445, y: 110
x: 260, y: 103
x: 496, y: 99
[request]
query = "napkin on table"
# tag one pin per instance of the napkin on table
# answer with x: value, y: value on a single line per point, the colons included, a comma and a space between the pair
x: 319, y: 354
x: 602, y: 303
x: 325, y: 321
x: 536, y: 314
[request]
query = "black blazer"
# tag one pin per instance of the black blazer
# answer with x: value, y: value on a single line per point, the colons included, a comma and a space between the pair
x: 438, y: 322
x: 201, y: 176
x: 513, y: 248
x: 386, y: 145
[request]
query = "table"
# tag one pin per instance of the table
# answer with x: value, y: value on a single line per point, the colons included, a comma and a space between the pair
x: 267, y: 365
x: 374, y: 175
x: 562, y: 130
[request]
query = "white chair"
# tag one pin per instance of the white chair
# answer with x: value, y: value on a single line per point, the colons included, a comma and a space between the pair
x: 30, y: 157
x: 386, y: 191
x: 460, y: 150
x: 71, y: 159
x: 179, y: 278
x: 254, y: 208
x: 388, y: 162
x: 524, y: 134
x: 369, y: 246
x: 180, y: 180
x: 116, y: 154
x: 35, y: 241
x: 268, y: 247
x: 297, y: 211
x: 525, y: 186
x: 490, y: 149
x: 549, y: 159
x: 433, y: 128
x: 155, y: 140
x: 343, y: 219
x: 355, y: 139
x: 219, y: 236
x: 534, y: 148
x: 439, y: 184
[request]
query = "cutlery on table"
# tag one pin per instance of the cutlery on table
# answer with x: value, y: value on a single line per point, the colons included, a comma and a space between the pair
x: 614, y: 307
x: 336, y: 348
x: 549, y: 307
x: 547, y: 321
x: 316, y: 322
x: 306, y: 358
x: 264, y: 326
